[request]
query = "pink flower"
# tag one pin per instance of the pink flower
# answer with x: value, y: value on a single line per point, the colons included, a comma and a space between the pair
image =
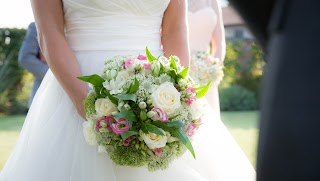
x: 128, y: 63
x: 190, y: 100
x: 147, y: 65
x: 191, y: 93
x: 142, y: 57
x: 157, y: 151
x: 160, y: 114
x: 190, y: 90
x: 104, y: 119
x: 191, y: 129
x: 117, y: 126
x: 128, y: 140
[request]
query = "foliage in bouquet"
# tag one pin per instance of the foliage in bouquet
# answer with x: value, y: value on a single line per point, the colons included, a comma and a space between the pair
x: 143, y: 110
x: 205, y: 68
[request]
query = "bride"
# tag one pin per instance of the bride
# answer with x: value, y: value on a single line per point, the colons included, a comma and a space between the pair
x: 76, y: 36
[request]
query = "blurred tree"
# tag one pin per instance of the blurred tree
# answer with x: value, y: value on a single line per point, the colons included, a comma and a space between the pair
x: 244, y: 65
x: 11, y: 75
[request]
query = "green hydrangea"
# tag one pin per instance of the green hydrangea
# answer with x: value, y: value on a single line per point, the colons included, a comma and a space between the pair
x: 128, y: 156
x: 89, y: 105
x: 169, y: 153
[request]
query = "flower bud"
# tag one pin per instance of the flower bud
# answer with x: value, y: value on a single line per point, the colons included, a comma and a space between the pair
x: 137, y: 146
x: 149, y: 101
x: 143, y: 115
x: 155, y: 67
x: 143, y: 153
x: 142, y: 105
x: 151, y: 114
x: 140, y: 138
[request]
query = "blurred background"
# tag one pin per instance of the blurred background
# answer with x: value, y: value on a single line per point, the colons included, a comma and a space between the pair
x: 239, y: 91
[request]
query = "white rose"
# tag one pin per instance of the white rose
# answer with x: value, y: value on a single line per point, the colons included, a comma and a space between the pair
x: 197, y: 109
x: 104, y: 107
x: 88, y: 132
x: 154, y: 141
x: 167, y: 98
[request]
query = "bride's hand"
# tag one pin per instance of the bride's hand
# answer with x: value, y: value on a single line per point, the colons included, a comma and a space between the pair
x: 78, y: 103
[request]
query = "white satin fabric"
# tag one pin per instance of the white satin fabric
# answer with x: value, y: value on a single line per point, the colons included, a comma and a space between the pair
x: 52, y: 147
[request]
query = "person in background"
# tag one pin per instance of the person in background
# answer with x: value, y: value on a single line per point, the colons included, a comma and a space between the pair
x: 31, y: 58
x: 205, y: 28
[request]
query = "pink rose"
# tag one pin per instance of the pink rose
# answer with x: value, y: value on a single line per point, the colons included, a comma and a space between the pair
x: 128, y: 140
x: 117, y: 126
x: 128, y: 64
x: 104, y: 120
x: 160, y: 114
x: 157, y: 151
x: 142, y: 57
x: 191, y: 129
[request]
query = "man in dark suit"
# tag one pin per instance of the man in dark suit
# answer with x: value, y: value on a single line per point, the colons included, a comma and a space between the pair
x: 289, y: 32
x: 31, y: 58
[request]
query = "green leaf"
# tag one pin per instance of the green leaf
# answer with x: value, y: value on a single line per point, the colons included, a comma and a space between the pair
x: 201, y: 91
x: 173, y: 64
x: 150, y: 57
x: 147, y: 127
x: 94, y: 79
x: 178, y: 133
x: 174, y: 128
x: 173, y: 117
x: 167, y: 126
x: 127, y: 134
x: 113, y: 99
x: 173, y: 74
x: 175, y: 124
x: 126, y: 97
x: 183, y: 74
x: 133, y: 87
x: 129, y: 115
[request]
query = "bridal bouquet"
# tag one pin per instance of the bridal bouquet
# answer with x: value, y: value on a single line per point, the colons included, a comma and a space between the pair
x: 143, y: 110
x: 205, y: 68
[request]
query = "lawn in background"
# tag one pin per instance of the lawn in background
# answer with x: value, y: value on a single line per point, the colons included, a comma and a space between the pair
x: 242, y: 126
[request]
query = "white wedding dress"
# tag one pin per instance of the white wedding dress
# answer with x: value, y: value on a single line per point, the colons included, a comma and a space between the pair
x: 52, y: 147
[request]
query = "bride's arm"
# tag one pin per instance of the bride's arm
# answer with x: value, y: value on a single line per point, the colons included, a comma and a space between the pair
x: 218, y: 35
x: 175, y: 32
x: 60, y: 58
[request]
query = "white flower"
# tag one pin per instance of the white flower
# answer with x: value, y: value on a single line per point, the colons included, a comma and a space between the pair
x: 88, y: 132
x: 111, y: 74
x: 197, y: 109
x: 104, y: 107
x: 154, y: 141
x: 167, y: 98
x: 116, y: 85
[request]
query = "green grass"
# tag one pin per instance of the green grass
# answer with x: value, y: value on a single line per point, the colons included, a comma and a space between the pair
x: 242, y: 126
x: 10, y: 127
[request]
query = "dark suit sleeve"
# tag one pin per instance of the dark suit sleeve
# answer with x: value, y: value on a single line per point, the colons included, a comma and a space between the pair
x: 29, y: 52
x: 257, y: 15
